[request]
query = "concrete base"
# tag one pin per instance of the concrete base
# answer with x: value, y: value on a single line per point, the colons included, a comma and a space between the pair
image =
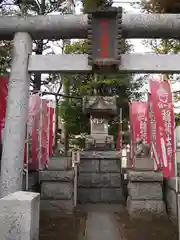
x: 56, y: 190
x: 49, y: 175
x: 145, y: 195
x: 19, y: 216
x: 146, y: 208
x: 103, y: 195
x: 60, y: 163
x: 144, y: 163
x: 100, y: 177
x: 145, y: 191
x: 148, y: 176
x: 62, y: 207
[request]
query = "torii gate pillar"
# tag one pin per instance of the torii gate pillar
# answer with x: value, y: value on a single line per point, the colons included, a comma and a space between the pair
x: 12, y: 162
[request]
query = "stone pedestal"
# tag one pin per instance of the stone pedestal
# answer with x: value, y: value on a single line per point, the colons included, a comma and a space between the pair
x: 99, y: 177
x: 99, y: 172
x: 144, y: 164
x: 57, y: 187
x: 145, y: 195
x: 19, y: 216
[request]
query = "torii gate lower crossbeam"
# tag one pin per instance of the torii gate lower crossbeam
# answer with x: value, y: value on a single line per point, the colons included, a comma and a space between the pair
x: 131, y: 63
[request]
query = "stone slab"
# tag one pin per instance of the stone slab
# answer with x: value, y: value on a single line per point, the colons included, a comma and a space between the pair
x: 140, y: 208
x: 145, y: 191
x: 101, y: 207
x: 56, y: 190
x: 109, y: 166
x: 19, y: 218
x: 99, y: 180
x: 49, y: 175
x: 57, y: 206
x: 141, y: 176
x: 100, y: 155
x: 101, y: 226
x: 60, y: 163
x: 112, y: 195
x: 144, y: 163
x: 93, y: 195
x: 89, y: 165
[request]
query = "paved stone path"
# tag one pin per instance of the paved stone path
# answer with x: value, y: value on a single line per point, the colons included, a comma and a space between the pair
x: 101, y: 226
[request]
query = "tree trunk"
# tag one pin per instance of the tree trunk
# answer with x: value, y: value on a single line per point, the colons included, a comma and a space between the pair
x: 37, y: 76
x: 39, y: 51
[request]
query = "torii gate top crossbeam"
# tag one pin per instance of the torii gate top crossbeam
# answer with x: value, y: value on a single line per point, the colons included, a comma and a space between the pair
x: 75, y: 26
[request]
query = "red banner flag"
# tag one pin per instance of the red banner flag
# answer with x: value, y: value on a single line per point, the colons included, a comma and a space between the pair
x: 51, y: 131
x: 139, y: 125
x: 163, y: 110
x: 3, y: 98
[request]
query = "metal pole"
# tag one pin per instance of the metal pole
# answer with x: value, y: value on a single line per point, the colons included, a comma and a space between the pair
x: 48, y: 128
x: 27, y: 158
x: 75, y: 26
x: 16, y: 117
x: 120, y: 120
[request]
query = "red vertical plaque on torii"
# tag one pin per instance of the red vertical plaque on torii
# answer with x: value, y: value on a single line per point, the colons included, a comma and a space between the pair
x: 105, y: 43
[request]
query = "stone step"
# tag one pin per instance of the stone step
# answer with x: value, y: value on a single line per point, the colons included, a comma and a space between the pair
x: 100, y: 155
x: 57, y: 207
x: 144, y: 163
x: 55, y: 175
x: 103, y: 195
x: 99, y: 180
x: 60, y: 163
x: 145, y: 191
x: 56, y: 190
x: 141, y: 208
x: 147, y: 176
x: 99, y: 165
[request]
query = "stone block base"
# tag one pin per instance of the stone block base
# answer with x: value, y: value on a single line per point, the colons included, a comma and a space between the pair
x: 19, y: 218
x: 106, y: 180
x: 145, y: 208
x: 145, y: 191
x: 148, y: 176
x: 54, y: 175
x: 93, y: 195
x: 60, y: 163
x: 58, y: 207
x: 56, y: 190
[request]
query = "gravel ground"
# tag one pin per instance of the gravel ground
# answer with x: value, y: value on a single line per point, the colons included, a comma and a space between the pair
x: 70, y: 227
x: 156, y: 229
x: 61, y: 227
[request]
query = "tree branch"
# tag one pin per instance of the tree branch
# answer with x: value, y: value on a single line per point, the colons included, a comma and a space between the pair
x: 56, y: 94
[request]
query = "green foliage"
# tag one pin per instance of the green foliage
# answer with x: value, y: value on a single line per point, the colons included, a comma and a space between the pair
x: 161, y: 6
x: 89, y: 5
x: 120, y: 85
x: 5, y: 56
x: 177, y: 119
x: 71, y: 113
